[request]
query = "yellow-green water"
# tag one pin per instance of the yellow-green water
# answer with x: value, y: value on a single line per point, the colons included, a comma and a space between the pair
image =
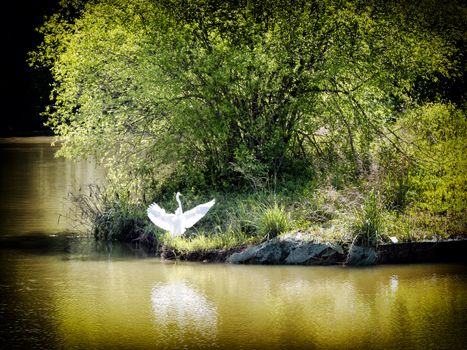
x: 67, y: 292
x: 35, y: 186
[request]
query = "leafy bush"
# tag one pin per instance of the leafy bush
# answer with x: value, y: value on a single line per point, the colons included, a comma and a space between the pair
x: 439, y: 133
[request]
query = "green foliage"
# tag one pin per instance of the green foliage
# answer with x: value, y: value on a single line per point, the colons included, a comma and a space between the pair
x: 427, y: 183
x: 122, y: 222
x: 417, y: 225
x: 112, y: 218
x: 176, y: 94
x: 439, y: 132
x: 273, y: 221
x: 368, y: 226
x: 203, y: 242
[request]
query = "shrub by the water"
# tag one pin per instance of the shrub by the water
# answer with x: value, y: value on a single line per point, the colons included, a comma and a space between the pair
x: 368, y: 226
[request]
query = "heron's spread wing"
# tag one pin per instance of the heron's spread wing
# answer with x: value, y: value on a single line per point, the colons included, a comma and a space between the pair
x: 160, y: 218
x: 192, y: 216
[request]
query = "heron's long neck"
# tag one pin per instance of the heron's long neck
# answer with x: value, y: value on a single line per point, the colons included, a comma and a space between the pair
x: 177, y: 197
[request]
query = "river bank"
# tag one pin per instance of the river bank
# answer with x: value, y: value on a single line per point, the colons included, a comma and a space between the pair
x: 290, y: 251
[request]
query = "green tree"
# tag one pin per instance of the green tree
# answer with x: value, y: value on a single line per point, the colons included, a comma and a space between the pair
x: 178, y: 93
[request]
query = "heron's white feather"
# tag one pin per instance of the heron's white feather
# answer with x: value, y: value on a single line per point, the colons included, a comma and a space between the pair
x: 177, y: 223
x: 192, y: 216
x: 160, y: 218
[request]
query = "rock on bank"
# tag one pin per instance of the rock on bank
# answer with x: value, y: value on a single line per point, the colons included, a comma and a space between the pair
x: 295, y: 252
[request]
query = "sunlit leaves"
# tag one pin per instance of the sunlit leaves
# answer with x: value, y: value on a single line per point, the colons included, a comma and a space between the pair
x: 439, y: 144
x: 176, y: 93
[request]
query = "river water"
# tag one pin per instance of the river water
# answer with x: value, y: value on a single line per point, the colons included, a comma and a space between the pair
x: 59, y: 290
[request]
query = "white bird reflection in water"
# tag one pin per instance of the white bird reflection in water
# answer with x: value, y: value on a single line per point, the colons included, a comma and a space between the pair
x: 394, y: 283
x: 184, y: 313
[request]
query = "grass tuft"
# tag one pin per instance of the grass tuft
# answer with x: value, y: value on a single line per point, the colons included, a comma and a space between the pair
x: 368, y: 226
x: 273, y: 221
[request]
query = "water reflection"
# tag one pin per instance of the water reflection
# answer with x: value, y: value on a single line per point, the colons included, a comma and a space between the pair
x: 75, y: 247
x: 183, y: 314
x: 394, y: 283
x: 34, y: 185
x: 121, y: 303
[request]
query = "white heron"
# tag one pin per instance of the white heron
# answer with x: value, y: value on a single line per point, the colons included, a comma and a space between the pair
x: 177, y: 223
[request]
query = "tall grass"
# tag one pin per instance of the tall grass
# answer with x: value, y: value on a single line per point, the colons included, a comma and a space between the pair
x: 273, y: 221
x: 368, y: 226
x: 112, y: 218
x: 205, y: 241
